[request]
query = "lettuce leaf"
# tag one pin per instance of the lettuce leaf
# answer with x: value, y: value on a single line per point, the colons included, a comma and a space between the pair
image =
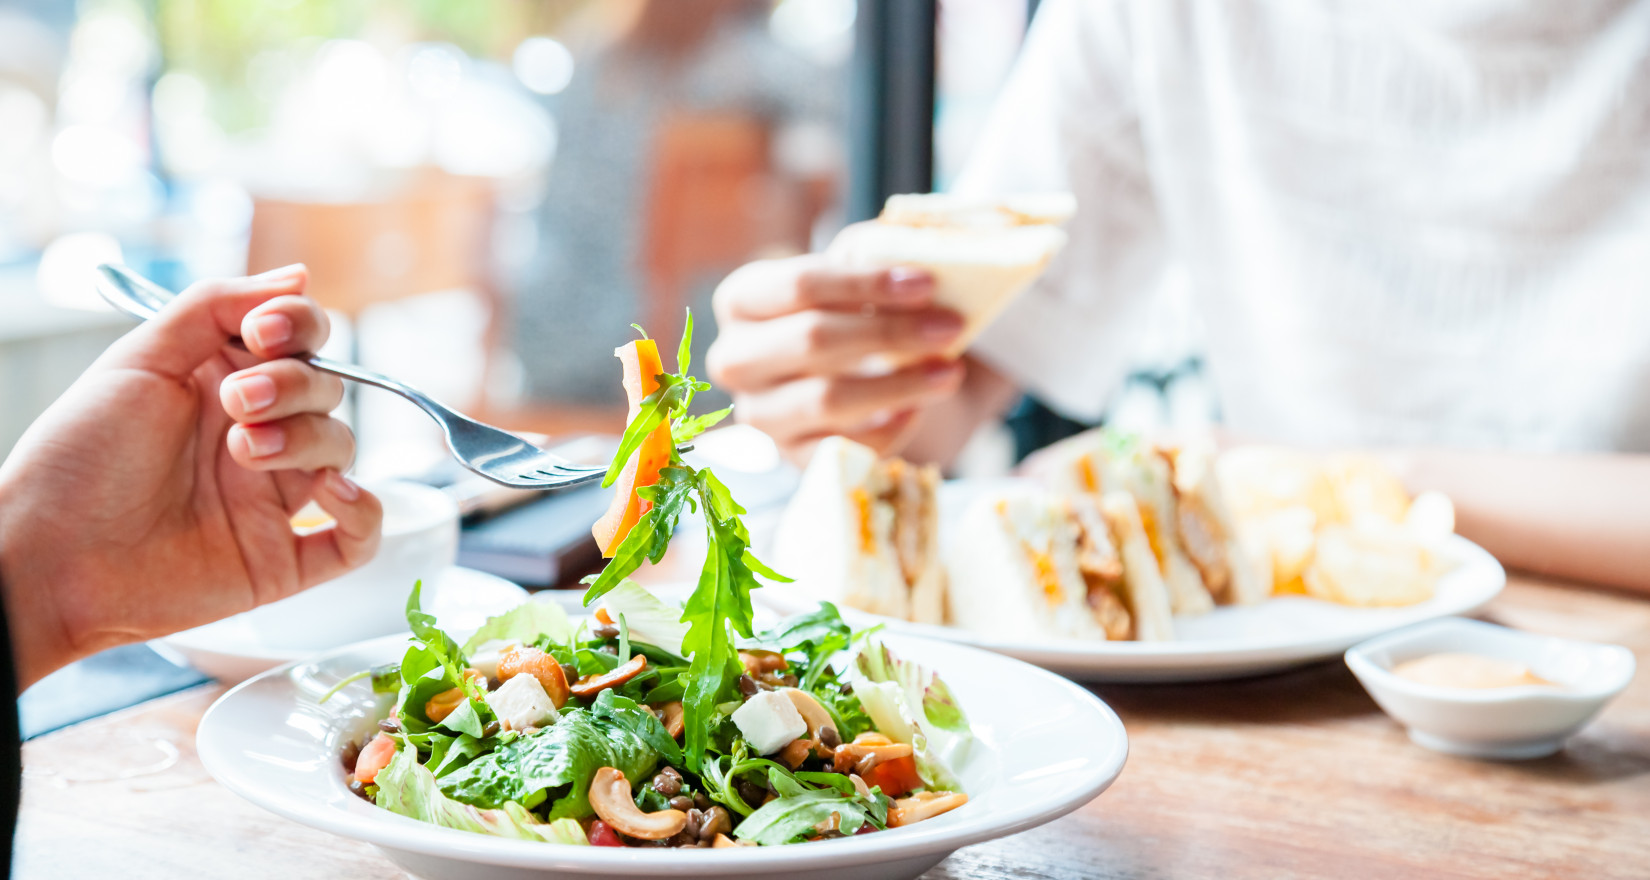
x: 409, y: 789
x: 524, y: 623
x: 910, y: 704
x: 922, y: 687
x: 623, y: 712
x: 648, y: 619
x: 557, y: 762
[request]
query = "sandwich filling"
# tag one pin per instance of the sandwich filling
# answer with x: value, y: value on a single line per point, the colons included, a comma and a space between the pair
x: 896, y: 506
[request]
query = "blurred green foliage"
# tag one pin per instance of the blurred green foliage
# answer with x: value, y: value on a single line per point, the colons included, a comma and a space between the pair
x: 231, y: 44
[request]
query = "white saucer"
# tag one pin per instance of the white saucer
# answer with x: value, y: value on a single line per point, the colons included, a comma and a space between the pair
x: 1506, y: 723
x: 232, y: 651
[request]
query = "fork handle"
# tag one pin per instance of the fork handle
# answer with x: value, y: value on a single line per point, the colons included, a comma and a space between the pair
x: 368, y: 377
x: 378, y: 380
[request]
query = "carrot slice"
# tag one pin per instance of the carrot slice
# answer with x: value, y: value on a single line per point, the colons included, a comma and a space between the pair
x: 896, y: 776
x: 641, y: 371
x: 375, y: 757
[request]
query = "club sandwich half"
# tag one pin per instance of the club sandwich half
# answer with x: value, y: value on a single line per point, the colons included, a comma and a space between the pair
x: 1028, y: 564
x: 863, y: 531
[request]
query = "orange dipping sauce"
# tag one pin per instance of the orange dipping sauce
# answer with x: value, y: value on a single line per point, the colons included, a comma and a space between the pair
x: 1467, y: 671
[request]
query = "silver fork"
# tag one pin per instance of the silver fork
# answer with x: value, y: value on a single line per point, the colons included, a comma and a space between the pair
x: 490, y: 452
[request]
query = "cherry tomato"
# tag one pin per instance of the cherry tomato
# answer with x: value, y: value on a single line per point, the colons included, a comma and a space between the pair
x: 602, y: 835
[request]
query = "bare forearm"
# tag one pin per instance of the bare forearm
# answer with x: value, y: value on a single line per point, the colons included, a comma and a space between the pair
x: 1582, y: 517
x: 945, y: 426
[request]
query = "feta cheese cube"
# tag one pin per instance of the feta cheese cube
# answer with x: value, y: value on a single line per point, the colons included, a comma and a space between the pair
x: 769, y: 722
x: 486, y: 655
x: 521, y: 703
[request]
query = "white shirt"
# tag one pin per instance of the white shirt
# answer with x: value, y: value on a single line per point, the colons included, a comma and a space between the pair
x: 1415, y: 222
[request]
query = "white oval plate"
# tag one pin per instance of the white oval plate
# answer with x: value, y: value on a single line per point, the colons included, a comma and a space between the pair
x: 1228, y: 642
x: 1043, y: 748
x: 232, y: 650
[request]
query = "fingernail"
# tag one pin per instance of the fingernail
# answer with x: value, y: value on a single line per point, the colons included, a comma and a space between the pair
x: 271, y: 331
x: 280, y: 274
x: 941, y: 373
x: 256, y: 392
x: 909, y: 285
x: 263, y: 441
x: 342, y: 486
x: 940, y: 326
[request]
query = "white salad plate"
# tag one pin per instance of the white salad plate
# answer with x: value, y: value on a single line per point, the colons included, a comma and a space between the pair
x: 1228, y: 642
x: 1043, y: 747
x: 233, y: 650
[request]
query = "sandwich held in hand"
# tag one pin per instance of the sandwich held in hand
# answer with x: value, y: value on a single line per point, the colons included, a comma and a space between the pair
x: 662, y: 726
x: 982, y: 253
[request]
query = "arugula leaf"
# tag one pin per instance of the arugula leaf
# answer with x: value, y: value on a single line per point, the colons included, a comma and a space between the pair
x: 649, y: 800
x: 794, y: 815
x: 386, y: 679
x: 558, y: 761
x: 686, y: 430
x: 410, y: 789
x: 821, y: 626
x: 656, y: 407
x: 651, y: 534
x: 684, y: 350
x: 715, y: 666
x: 720, y: 607
x: 442, y: 647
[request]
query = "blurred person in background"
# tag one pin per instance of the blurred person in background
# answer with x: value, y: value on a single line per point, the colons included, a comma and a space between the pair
x: 689, y: 141
x: 1421, y: 228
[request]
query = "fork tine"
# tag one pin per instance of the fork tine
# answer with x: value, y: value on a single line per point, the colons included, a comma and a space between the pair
x: 559, y: 471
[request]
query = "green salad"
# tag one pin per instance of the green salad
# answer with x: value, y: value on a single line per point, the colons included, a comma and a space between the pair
x: 657, y: 725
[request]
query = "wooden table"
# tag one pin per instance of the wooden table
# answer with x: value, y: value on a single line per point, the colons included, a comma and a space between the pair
x: 1291, y: 775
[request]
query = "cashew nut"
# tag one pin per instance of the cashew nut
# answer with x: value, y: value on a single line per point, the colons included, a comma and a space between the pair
x: 610, y: 798
x: 723, y: 842
x: 816, y: 717
x: 927, y: 805
x: 758, y: 662
x: 673, y: 718
x: 589, y: 686
x: 438, y: 707
x: 795, y: 753
x: 859, y: 756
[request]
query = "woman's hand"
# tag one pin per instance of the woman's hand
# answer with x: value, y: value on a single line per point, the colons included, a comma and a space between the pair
x: 156, y: 494
x: 794, y: 339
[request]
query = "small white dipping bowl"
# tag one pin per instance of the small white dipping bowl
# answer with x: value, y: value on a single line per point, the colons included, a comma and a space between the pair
x: 1508, y: 723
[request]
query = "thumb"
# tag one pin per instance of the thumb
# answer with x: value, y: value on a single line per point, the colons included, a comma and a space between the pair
x: 201, y: 321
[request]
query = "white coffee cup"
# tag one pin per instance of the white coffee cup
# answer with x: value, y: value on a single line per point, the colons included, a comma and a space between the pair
x: 420, y: 542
